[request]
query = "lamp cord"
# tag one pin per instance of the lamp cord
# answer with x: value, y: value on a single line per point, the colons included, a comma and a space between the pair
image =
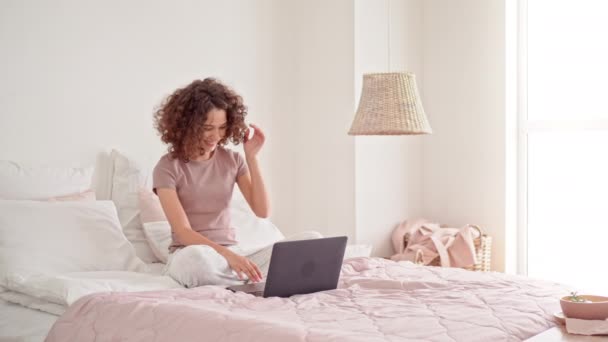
x: 388, y: 33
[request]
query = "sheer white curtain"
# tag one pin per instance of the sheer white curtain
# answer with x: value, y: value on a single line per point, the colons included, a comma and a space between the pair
x: 567, y: 142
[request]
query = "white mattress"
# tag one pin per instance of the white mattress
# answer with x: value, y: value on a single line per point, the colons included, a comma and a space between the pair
x: 18, y: 323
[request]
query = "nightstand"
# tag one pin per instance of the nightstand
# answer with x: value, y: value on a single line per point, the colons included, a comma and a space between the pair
x: 559, y: 334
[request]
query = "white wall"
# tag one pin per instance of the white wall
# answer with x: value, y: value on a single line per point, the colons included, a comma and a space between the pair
x: 81, y: 77
x: 457, y: 174
x: 464, y: 94
x: 314, y: 108
x: 388, y: 172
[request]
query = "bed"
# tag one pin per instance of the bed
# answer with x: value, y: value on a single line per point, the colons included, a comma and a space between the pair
x: 377, y: 300
x: 100, y: 279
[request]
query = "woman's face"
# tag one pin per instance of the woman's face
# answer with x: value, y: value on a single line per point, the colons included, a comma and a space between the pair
x: 214, y: 129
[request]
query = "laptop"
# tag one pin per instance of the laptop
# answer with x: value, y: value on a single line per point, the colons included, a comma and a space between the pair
x: 300, y: 267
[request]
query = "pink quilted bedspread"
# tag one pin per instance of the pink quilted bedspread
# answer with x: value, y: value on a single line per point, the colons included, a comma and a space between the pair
x: 378, y: 300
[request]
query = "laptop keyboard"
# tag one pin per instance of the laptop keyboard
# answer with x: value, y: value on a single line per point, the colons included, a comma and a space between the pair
x: 256, y: 287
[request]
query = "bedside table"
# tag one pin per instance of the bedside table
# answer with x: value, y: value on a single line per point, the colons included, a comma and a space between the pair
x: 559, y: 334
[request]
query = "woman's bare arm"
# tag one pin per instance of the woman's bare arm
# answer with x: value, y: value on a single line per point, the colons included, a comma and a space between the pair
x: 251, y: 183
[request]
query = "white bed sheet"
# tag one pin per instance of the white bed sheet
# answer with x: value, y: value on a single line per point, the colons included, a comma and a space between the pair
x: 18, y: 323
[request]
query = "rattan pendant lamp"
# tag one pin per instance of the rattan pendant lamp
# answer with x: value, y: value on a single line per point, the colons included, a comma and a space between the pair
x: 390, y: 103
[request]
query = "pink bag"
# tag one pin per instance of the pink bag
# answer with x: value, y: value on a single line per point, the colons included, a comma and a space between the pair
x: 427, y: 241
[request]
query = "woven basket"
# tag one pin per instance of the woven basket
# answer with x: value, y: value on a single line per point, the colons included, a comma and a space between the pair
x: 483, y: 251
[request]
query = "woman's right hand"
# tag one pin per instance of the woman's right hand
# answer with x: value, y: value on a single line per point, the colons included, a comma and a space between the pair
x: 241, y: 265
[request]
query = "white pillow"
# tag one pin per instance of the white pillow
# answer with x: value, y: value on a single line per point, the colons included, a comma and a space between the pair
x: 59, y: 237
x: 158, y: 235
x: 357, y: 251
x: 18, y: 181
x: 252, y: 232
x: 130, y: 176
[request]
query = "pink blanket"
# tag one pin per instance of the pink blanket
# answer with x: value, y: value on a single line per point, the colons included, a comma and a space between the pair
x: 378, y: 300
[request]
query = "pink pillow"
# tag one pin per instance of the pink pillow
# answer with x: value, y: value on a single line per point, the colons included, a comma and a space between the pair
x: 86, y: 196
x: 150, y: 209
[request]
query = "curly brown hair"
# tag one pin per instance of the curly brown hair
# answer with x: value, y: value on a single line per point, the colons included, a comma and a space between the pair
x: 180, y: 118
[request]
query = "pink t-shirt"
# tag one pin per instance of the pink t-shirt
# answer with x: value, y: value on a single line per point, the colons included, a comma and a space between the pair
x: 204, y: 189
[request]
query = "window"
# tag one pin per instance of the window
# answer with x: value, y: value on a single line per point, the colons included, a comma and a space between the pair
x: 566, y: 148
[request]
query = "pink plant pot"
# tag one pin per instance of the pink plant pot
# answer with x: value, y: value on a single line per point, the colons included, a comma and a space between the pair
x: 595, y: 309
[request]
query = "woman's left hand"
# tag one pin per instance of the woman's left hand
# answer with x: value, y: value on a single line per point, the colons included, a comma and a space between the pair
x: 254, y: 144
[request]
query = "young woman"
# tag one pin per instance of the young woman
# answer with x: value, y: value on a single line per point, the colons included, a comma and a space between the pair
x: 195, y: 181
